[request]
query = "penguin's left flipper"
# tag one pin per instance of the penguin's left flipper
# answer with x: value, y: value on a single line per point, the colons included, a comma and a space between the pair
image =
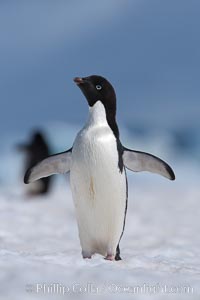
x: 137, y: 161
x: 55, y: 164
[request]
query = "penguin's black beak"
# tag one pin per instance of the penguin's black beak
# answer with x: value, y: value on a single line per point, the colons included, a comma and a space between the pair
x: 79, y: 80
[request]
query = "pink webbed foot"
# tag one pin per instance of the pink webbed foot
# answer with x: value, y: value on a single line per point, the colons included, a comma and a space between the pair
x: 110, y: 257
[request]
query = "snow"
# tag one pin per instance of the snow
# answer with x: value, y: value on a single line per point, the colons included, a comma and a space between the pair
x: 160, y: 246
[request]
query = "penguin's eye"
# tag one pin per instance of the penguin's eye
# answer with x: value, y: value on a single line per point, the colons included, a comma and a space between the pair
x: 98, y: 87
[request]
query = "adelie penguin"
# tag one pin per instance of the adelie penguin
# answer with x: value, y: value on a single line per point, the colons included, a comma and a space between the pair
x: 97, y: 164
x: 35, y: 151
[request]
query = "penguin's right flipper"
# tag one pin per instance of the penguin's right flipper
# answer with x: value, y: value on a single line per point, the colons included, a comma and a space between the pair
x: 55, y: 164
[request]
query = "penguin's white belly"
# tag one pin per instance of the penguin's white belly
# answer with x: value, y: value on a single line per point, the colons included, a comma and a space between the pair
x: 98, y: 189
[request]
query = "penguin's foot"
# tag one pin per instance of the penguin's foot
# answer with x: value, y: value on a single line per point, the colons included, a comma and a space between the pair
x: 110, y: 257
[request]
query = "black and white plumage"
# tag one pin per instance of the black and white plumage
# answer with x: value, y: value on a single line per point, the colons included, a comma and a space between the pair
x: 97, y: 164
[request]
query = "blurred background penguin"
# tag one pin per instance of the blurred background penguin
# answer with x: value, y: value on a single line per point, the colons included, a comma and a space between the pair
x: 36, y: 150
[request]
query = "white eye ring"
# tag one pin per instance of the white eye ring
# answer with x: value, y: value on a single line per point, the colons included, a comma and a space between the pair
x: 98, y: 87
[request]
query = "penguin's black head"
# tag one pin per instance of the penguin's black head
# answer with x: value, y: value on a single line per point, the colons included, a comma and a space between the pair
x: 97, y: 88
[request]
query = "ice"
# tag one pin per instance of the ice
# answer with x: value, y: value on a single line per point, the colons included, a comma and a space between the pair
x: 160, y: 246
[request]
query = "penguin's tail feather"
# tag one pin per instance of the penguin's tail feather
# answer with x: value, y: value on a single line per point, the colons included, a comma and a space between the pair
x: 54, y: 164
